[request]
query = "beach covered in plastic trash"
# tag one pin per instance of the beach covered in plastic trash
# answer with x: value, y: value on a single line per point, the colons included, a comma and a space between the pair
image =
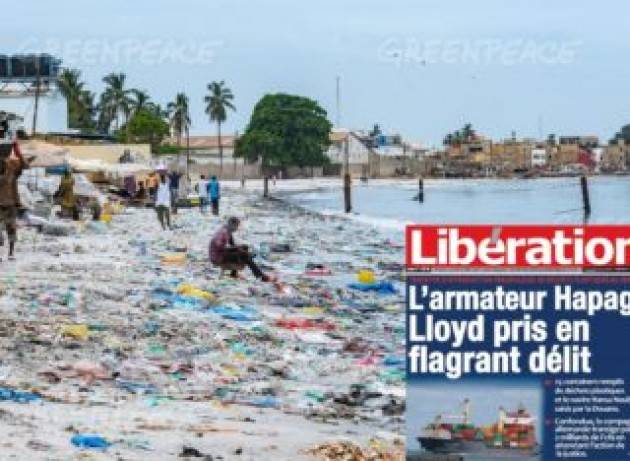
x: 120, y: 341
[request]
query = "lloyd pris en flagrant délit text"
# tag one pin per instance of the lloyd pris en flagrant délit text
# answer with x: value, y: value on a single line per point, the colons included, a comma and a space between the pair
x: 561, y: 349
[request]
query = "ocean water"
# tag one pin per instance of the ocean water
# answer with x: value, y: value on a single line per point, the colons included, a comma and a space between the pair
x: 511, y: 201
x: 515, y: 201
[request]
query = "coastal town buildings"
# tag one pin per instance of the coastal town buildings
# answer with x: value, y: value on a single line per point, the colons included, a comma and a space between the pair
x: 368, y: 156
x: 481, y: 156
x: 205, y: 149
x: 616, y: 157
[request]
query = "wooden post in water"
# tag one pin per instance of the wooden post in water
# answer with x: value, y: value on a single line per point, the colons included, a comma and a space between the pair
x: 347, y: 188
x: 347, y: 180
x: 266, y: 186
x: 420, y: 190
x: 585, y: 197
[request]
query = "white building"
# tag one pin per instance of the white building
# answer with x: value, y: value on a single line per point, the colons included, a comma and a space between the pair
x: 358, y: 152
x: 52, y: 108
x: 28, y: 89
x: 538, y: 157
x: 597, y: 154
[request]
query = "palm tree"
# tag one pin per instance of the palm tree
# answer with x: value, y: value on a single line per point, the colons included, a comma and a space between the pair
x: 218, y: 101
x: 80, y: 101
x: 468, y: 133
x: 157, y: 110
x: 106, y: 114
x: 179, y: 116
x: 140, y: 100
x: 116, y: 98
x: 86, y: 109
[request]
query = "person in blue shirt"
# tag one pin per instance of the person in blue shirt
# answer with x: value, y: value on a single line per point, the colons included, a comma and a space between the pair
x: 214, y: 191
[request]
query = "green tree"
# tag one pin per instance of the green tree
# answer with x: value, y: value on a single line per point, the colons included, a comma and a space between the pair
x: 376, y: 131
x: 80, y: 101
x: 144, y: 127
x: 139, y: 100
x: 258, y: 144
x: 179, y: 116
x: 218, y: 101
x: 116, y: 99
x: 286, y: 130
x: 157, y: 110
x: 468, y: 133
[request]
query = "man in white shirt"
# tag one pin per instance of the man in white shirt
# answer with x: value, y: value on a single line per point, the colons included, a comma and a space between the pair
x: 202, y: 189
x: 163, y: 202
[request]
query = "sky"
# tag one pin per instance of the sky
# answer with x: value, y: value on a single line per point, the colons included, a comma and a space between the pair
x: 421, y: 68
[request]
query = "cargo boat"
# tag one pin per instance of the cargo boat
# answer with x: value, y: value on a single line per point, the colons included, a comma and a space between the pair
x: 513, y: 436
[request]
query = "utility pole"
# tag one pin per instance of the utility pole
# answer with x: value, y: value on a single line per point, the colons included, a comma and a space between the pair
x: 37, y: 85
x: 338, y: 99
x: 405, y: 163
x: 347, y: 181
x: 188, y: 153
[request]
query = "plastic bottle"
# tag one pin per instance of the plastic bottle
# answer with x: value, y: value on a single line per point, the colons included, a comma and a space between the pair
x: 89, y: 441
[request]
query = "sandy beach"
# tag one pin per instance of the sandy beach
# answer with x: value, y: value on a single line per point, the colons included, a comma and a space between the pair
x: 126, y: 332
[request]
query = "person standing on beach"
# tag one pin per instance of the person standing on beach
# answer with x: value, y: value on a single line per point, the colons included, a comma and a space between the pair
x: 173, y: 179
x: 153, y: 184
x: 202, y: 190
x: 163, y: 202
x: 69, y: 207
x: 214, y: 188
x: 10, y: 170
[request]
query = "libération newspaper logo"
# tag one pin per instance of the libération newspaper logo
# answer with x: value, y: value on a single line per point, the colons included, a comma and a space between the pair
x: 539, y: 247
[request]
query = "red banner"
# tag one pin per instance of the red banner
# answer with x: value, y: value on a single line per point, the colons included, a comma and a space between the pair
x: 517, y: 246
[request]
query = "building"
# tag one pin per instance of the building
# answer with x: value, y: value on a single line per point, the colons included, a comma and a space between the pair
x: 582, y: 141
x: 374, y: 156
x: 615, y: 157
x: 29, y: 89
x: 204, y: 150
x: 358, y: 152
x: 538, y: 157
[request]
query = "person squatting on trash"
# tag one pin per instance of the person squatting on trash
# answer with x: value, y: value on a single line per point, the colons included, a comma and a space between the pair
x: 11, y: 169
x: 163, y: 202
x: 214, y: 188
x: 228, y: 256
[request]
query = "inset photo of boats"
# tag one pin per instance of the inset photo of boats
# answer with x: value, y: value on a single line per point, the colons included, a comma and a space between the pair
x: 474, y: 420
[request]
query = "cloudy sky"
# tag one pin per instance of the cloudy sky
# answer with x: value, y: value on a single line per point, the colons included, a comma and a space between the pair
x: 419, y: 67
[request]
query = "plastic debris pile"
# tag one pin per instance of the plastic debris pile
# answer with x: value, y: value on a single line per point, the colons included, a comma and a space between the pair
x: 127, y: 319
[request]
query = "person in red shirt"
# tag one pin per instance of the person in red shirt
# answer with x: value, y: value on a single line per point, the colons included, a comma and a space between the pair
x: 228, y: 256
